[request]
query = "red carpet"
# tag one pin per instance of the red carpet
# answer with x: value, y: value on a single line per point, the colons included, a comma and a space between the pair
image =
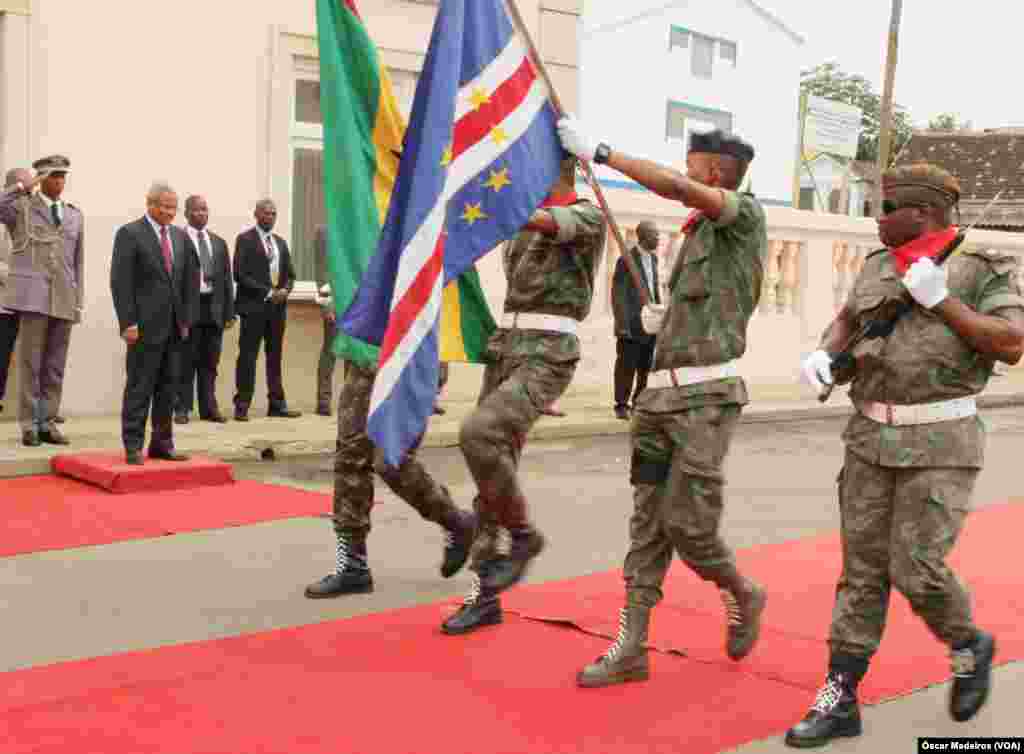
x: 801, y: 578
x: 109, y: 471
x: 387, y: 684
x: 55, y: 513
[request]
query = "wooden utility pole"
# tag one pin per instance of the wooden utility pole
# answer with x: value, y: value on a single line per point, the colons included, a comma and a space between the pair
x: 885, y: 125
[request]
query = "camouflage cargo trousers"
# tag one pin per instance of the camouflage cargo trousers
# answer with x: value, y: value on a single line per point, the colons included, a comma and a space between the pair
x: 356, y: 460
x: 898, y: 527
x: 514, y: 391
x: 677, y: 496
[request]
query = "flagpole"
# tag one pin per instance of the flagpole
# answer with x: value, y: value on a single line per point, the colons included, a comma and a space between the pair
x: 631, y: 266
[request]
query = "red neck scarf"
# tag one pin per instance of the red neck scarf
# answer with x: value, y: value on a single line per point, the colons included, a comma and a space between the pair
x: 926, y: 246
x: 560, y: 200
x: 695, y: 217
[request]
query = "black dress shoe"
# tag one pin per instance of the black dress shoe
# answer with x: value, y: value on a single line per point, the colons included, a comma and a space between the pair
x: 349, y: 581
x: 58, y: 420
x: 53, y: 436
x: 215, y: 418
x: 167, y: 455
x: 622, y: 412
x: 133, y: 457
x: 438, y: 411
x: 241, y: 416
x: 283, y: 413
x: 181, y: 419
x: 972, y: 677
x: 835, y: 714
x: 30, y: 439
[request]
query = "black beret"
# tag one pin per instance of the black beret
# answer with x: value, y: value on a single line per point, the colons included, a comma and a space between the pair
x: 719, y: 142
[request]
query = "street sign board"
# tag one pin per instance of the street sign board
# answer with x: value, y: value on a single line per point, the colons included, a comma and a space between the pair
x: 831, y: 127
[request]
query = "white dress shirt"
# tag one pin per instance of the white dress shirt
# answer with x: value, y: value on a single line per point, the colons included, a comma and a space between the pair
x: 204, y: 284
x: 275, y: 257
x: 158, y: 229
x: 648, y: 266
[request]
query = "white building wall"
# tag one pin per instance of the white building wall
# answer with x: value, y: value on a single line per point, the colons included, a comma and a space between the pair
x: 628, y: 74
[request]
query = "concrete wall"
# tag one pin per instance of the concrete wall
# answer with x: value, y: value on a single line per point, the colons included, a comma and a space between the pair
x: 630, y: 74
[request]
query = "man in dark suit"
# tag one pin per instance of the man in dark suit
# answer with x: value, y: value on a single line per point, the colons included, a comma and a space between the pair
x: 201, y: 352
x: 265, y: 277
x: 634, y: 348
x: 154, y: 280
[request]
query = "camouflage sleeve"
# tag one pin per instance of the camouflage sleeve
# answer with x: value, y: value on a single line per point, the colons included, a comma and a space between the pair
x: 578, y: 220
x: 740, y: 213
x: 1000, y: 288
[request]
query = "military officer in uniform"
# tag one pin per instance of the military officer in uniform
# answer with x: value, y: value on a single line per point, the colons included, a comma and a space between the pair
x: 684, y: 422
x: 355, y: 461
x: 915, y: 444
x: 550, y: 268
x: 45, y: 286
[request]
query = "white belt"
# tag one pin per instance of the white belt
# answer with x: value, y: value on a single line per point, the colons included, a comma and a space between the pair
x: 693, y: 375
x: 919, y: 413
x: 549, y: 322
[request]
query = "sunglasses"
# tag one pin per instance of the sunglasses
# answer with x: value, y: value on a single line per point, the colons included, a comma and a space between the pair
x: 891, y: 205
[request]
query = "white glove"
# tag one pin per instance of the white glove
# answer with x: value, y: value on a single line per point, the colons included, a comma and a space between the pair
x: 816, y: 370
x: 575, y: 140
x: 926, y: 282
x: 651, y: 316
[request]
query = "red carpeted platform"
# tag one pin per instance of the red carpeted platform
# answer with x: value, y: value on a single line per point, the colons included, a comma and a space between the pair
x: 55, y: 513
x: 387, y: 684
x: 801, y: 579
x: 110, y: 472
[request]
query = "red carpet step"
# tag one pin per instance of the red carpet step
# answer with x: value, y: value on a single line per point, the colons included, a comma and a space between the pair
x: 56, y: 513
x: 109, y: 471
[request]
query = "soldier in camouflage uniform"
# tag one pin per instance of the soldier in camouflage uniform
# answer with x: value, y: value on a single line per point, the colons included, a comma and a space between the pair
x: 355, y: 461
x: 915, y: 445
x: 681, y: 431
x: 550, y: 268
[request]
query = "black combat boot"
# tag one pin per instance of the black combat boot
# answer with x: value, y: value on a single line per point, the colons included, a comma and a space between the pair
x: 508, y: 570
x: 835, y: 713
x: 744, y: 602
x: 458, y: 538
x: 626, y: 659
x: 972, y: 677
x: 351, y: 572
x: 480, y: 608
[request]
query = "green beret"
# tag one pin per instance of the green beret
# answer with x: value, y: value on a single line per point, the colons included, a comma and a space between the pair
x: 922, y: 181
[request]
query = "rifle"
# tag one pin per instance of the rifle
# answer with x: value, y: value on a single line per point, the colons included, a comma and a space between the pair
x: 887, y: 315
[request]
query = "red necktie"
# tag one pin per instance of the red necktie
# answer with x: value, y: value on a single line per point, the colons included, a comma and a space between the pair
x: 165, y: 244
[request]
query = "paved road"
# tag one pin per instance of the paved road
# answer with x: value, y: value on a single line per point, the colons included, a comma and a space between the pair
x: 134, y: 595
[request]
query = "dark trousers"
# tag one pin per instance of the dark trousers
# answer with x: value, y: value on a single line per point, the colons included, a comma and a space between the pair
x: 256, y: 329
x: 200, y: 359
x: 8, y: 336
x: 153, y: 376
x: 632, y: 360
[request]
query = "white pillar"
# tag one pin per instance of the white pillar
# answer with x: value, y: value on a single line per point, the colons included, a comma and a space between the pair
x: 15, y: 100
x: 816, y: 294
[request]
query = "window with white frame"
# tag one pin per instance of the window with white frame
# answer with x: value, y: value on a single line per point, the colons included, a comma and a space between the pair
x: 307, y: 167
x: 703, y: 50
x: 682, y: 120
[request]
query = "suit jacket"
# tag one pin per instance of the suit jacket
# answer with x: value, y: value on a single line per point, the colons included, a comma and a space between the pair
x: 626, y: 299
x: 46, y: 266
x: 222, y: 303
x: 252, y: 274
x: 144, y: 294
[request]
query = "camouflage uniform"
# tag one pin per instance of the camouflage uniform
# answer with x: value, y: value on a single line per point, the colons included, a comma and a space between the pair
x: 904, y: 491
x: 527, y: 370
x: 680, y: 435
x: 356, y: 459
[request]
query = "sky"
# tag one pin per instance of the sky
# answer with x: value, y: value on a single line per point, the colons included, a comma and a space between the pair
x: 962, y: 58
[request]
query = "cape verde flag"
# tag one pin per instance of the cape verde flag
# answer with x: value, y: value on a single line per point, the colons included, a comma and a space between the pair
x: 481, y: 152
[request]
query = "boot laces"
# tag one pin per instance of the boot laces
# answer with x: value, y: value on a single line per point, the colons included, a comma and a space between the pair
x: 963, y: 663
x: 473, y: 595
x: 341, y: 555
x: 828, y: 695
x: 620, y: 640
x: 732, y: 608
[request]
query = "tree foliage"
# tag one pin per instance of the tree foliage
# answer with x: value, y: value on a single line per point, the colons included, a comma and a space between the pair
x: 949, y: 122
x: 830, y: 81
